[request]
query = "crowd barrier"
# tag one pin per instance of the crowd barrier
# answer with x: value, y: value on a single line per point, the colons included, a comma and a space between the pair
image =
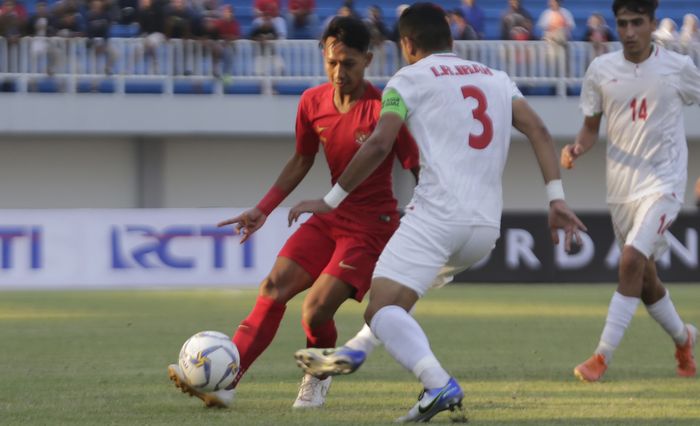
x: 131, y: 248
x: 123, y: 65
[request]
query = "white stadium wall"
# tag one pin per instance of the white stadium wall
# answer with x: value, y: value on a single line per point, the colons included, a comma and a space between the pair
x: 101, y: 151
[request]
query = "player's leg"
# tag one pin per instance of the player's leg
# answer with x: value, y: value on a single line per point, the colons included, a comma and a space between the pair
x: 647, y: 220
x: 300, y: 261
x: 626, y: 298
x: 320, y: 304
x: 258, y: 329
x: 657, y: 300
x: 406, y: 269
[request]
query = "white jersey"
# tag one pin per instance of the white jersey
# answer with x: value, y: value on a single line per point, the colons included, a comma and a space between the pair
x: 460, y: 114
x: 647, y: 151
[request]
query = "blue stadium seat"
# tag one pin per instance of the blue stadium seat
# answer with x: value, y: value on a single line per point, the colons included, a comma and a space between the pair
x: 143, y: 87
x: 95, y: 86
x: 290, y: 88
x: 243, y: 88
x: 45, y: 85
x: 193, y: 87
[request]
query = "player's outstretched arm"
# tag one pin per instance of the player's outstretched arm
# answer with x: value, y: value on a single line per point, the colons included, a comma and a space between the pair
x: 289, y: 178
x: 586, y: 138
x: 526, y: 120
x: 366, y: 160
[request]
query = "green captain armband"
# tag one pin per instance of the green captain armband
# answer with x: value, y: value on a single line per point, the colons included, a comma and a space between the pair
x: 392, y: 102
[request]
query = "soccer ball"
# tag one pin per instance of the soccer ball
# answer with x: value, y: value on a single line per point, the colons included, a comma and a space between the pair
x: 209, y: 361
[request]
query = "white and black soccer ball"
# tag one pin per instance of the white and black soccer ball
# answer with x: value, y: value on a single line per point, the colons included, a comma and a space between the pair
x: 209, y: 361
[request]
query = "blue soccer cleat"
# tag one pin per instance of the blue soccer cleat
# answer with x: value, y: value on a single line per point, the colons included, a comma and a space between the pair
x: 329, y: 362
x: 432, y: 401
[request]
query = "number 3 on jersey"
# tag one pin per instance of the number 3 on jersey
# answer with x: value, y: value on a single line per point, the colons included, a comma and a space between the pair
x: 479, y: 113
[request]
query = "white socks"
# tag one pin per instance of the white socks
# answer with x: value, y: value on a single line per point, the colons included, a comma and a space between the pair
x: 666, y: 315
x: 363, y: 341
x: 408, y: 344
x: 620, y: 313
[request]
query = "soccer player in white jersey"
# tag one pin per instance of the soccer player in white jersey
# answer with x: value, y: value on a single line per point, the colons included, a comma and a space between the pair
x: 641, y: 90
x: 460, y: 114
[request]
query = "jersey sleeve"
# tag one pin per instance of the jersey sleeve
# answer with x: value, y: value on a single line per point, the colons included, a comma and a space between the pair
x: 515, y: 93
x: 690, y: 83
x: 591, y: 98
x: 406, y: 149
x: 307, y: 139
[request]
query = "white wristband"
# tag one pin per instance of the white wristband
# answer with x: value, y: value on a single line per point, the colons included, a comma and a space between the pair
x: 335, y: 196
x: 555, y: 190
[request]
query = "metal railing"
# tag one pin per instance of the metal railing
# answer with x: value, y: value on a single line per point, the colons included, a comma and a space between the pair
x: 71, y: 62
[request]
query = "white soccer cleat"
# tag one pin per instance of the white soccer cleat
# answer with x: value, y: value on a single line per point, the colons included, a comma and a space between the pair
x: 312, y: 392
x: 221, y: 398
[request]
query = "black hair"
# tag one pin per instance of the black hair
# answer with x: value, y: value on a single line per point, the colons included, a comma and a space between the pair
x: 348, y: 30
x: 426, y: 26
x: 644, y: 7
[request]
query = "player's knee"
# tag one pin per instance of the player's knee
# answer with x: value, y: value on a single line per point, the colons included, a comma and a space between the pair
x: 274, y: 287
x: 315, y: 312
x: 632, y: 262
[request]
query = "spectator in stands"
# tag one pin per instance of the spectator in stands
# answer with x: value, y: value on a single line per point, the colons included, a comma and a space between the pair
x: 40, y: 27
x: 516, y: 22
x: 395, y: 31
x: 474, y: 16
x: 69, y: 22
x: 460, y: 28
x: 269, y: 17
x: 598, y: 33
x: 151, y: 18
x: 97, y: 24
x: 261, y: 7
x: 127, y: 11
x: 229, y: 31
x: 302, y: 19
x: 557, y: 23
x: 12, y: 22
x: 689, y: 31
x: 178, y: 20
x: 264, y: 30
x: 377, y: 28
x: 666, y: 34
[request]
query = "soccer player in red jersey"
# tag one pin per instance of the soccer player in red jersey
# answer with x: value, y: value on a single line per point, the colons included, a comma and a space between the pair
x: 332, y: 255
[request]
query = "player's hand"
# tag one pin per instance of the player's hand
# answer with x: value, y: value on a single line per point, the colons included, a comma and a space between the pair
x: 561, y: 217
x: 569, y: 154
x: 309, y: 206
x: 246, y: 223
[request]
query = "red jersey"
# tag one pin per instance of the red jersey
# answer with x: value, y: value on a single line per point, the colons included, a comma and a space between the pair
x: 319, y: 122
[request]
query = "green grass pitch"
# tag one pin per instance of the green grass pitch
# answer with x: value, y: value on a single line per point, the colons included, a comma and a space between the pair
x: 100, y: 357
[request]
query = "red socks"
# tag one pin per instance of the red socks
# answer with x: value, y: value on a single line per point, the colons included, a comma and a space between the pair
x: 255, y: 333
x: 323, y: 336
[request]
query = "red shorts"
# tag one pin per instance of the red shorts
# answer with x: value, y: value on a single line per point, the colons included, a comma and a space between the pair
x: 328, y: 245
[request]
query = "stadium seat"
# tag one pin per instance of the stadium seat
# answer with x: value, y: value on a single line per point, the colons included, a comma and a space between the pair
x: 96, y: 86
x: 196, y: 87
x: 45, y: 85
x: 143, y: 87
x: 290, y: 88
x: 243, y: 88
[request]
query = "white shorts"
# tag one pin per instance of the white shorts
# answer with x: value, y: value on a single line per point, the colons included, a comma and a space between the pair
x: 643, y: 223
x: 423, y: 254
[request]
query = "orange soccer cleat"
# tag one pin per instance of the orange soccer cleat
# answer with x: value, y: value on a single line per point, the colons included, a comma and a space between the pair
x: 684, y: 354
x: 592, y: 369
